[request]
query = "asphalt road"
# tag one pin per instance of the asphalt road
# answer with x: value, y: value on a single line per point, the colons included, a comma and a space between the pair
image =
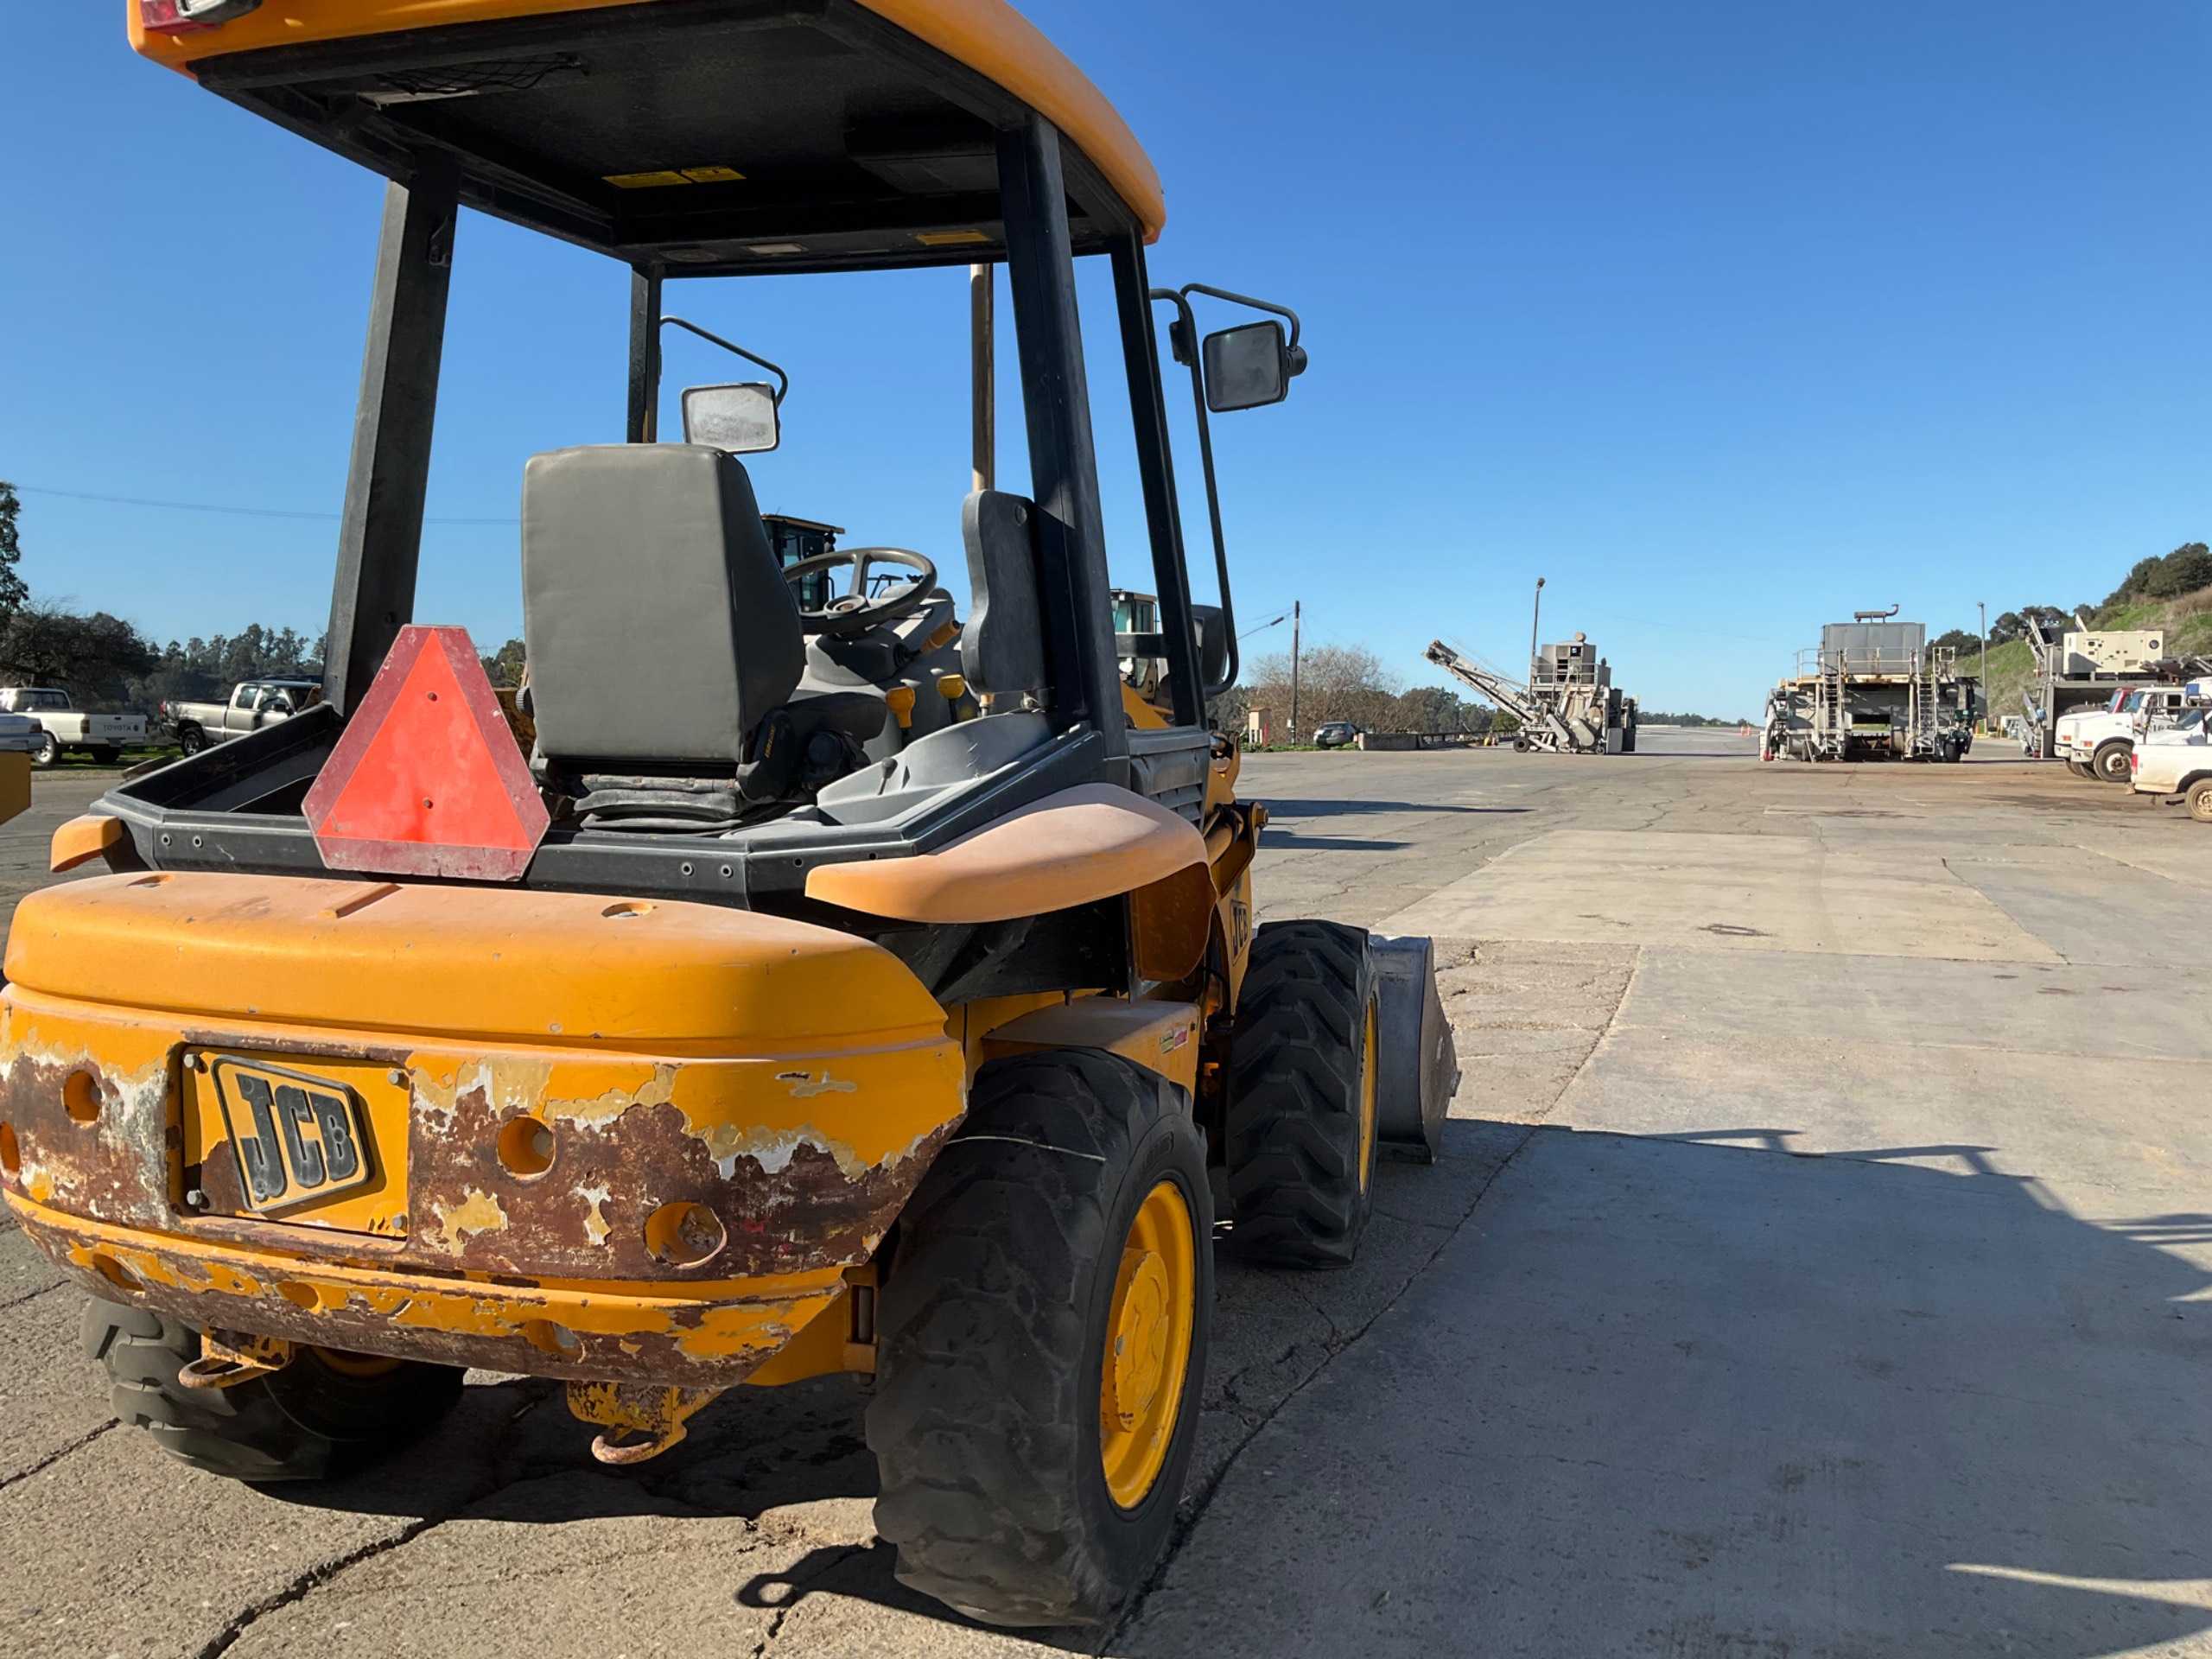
x: 1821, y: 1265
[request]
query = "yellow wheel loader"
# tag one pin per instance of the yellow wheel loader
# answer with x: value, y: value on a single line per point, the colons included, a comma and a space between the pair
x: 817, y: 984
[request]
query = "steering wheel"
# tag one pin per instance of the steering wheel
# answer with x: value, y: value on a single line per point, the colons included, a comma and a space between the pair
x: 855, y: 613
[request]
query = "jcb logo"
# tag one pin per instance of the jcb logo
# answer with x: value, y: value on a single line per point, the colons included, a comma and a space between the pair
x: 296, y: 1136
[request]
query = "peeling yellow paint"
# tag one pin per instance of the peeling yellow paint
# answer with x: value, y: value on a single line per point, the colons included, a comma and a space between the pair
x: 596, y: 1226
x: 802, y: 1086
x: 477, y: 1212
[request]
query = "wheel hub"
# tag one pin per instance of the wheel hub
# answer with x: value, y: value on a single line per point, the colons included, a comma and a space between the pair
x: 1139, y: 1352
x: 1147, y: 1351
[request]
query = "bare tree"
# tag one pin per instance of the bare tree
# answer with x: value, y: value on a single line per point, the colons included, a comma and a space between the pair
x: 1346, y: 682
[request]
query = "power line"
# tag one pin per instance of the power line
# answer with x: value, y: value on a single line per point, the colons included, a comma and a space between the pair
x: 238, y: 512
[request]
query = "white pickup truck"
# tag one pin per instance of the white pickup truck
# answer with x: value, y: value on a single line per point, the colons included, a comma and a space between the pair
x: 2096, y: 742
x: 253, y: 705
x: 2176, y: 761
x: 106, y: 736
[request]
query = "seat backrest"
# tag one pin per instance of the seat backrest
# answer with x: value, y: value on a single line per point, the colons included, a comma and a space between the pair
x: 660, y: 629
x: 1002, y: 648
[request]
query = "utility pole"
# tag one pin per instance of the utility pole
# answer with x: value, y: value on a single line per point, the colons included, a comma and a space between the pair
x: 1295, y: 607
x: 1981, y: 688
x: 1535, y: 621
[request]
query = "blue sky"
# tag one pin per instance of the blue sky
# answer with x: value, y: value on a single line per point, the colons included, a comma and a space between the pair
x: 1727, y: 318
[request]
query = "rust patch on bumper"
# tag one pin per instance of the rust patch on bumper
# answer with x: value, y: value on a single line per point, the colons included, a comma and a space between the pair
x: 615, y: 1333
x: 119, y: 1164
x: 782, y: 1211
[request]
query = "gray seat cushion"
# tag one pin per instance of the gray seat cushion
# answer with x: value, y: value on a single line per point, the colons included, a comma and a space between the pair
x: 660, y: 629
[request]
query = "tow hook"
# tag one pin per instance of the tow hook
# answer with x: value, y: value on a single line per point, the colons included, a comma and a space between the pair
x: 641, y: 1420
x: 230, y: 1357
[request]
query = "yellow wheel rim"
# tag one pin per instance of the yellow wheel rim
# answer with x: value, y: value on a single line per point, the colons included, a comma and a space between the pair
x: 1147, y: 1345
x: 1368, y: 1051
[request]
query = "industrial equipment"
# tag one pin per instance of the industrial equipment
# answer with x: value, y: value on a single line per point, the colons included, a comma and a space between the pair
x: 1569, y: 704
x: 796, y: 1004
x: 1873, y: 690
x: 2078, y: 672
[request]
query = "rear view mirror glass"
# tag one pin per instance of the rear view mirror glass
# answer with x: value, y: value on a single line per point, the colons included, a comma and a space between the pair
x: 1247, y: 366
x: 740, y: 420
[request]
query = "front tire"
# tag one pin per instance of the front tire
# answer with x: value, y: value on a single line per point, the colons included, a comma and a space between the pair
x: 2080, y: 768
x: 2200, y: 800
x: 322, y: 1415
x: 1302, y: 1120
x: 1042, y: 1341
x: 46, y: 750
x: 2110, y: 763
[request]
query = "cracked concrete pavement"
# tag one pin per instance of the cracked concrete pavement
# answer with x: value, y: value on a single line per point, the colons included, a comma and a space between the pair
x: 1819, y: 1265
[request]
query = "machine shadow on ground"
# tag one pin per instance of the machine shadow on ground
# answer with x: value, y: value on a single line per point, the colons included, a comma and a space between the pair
x: 1289, y: 841
x: 1296, y: 807
x: 2005, y: 1436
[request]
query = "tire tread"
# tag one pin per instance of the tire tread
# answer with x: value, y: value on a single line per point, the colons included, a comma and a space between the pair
x: 1293, y: 1141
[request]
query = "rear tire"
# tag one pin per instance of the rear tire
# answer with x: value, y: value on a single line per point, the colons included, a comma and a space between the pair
x: 2200, y: 800
x: 2080, y: 768
x: 1302, y: 1120
x: 1000, y: 1335
x: 192, y: 739
x: 107, y: 757
x: 2110, y: 763
x: 304, y: 1422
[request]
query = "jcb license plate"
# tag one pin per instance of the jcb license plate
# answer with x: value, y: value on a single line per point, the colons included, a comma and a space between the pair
x: 298, y: 1137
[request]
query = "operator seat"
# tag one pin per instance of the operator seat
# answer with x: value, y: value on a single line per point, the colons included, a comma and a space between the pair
x: 662, y: 641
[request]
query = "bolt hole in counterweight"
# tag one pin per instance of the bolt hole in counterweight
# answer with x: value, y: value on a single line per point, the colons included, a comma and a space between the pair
x: 549, y: 1337
x: 685, y: 1234
x: 80, y: 1097
x: 526, y: 1147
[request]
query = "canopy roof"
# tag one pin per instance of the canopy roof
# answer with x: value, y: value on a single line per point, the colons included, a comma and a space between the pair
x: 706, y: 135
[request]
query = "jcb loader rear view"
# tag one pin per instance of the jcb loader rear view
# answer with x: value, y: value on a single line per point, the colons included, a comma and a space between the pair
x: 821, y: 984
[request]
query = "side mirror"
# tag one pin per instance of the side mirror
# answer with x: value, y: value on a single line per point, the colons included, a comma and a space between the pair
x: 1213, y: 643
x: 281, y: 706
x: 740, y: 420
x: 1250, y: 366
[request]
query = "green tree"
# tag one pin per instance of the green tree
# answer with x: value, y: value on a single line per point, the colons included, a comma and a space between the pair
x: 2184, y: 570
x: 13, y: 593
x: 504, y: 666
x: 96, y: 658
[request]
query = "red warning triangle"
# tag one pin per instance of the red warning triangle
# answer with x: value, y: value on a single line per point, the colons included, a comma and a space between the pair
x: 427, y: 780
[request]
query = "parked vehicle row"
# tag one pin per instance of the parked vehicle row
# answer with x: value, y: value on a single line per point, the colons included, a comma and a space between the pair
x: 55, y: 726
x: 2098, y: 742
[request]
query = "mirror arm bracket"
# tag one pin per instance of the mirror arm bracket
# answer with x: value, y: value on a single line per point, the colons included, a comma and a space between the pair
x: 1182, y: 335
x: 783, y: 380
x: 1268, y: 305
